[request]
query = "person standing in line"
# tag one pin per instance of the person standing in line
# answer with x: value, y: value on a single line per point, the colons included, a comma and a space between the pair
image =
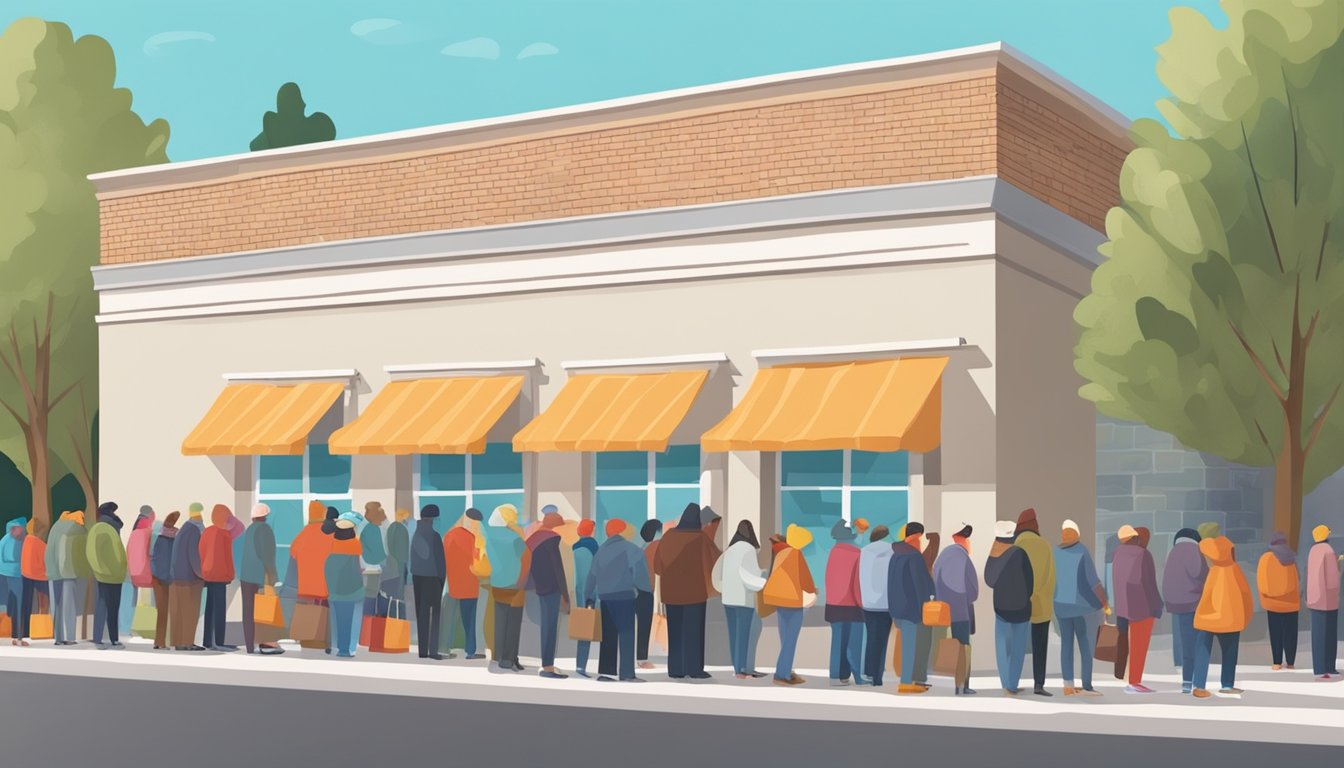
x: 397, y: 572
x: 138, y: 552
x: 67, y: 562
x: 644, y: 601
x: 585, y: 549
x: 1042, y: 558
x: 1008, y: 573
x: 547, y: 572
x: 909, y: 586
x: 33, y: 567
x: 738, y: 578
x: 684, y: 565
x: 1078, y: 595
x: 258, y: 570
x: 507, y: 551
x: 161, y: 567
x: 218, y: 572
x: 874, y: 566
x: 1137, y: 600
x: 345, y: 586
x: 1183, y: 579
x: 184, y: 597
x: 956, y: 583
x: 790, y: 589
x: 428, y: 571
x: 11, y: 575
x: 462, y: 559
x: 619, y: 571
x: 107, y: 561
x: 1323, y: 602
x: 1224, y: 611
x: 1280, y: 596
x: 844, y: 609
x: 373, y: 558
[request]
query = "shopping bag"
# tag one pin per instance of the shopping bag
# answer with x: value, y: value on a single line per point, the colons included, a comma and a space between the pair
x: 896, y: 650
x: 1108, y: 643
x: 6, y: 626
x: 266, y: 609
x: 366, y: 631
x: 40, y: 627
x: 763, y: 609
x: 945, y: 657
x: 145, y: 620
x: 585, y: 624
x: 309, y: 626
x: 937, y: 614
x: 396, y: 630
x: 658, y: 633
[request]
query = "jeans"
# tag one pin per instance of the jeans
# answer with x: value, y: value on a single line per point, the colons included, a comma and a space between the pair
x: 13, y: 589
x: 643, y: 624
x: 64, y: 608
x: 550, y: 625
x: 1040, y: 648
x: 847, y: 650
x: 1010, y: 649
x: 464, y: 610
x: 686, y: 638
x: 1228, y: 642
x: 875, y: 648
x: 909, y: 649
x: 752, y: 637
x: 1073, y: 630
x: 1183, y: 636
x: 622, y: 613
x: 428, y: 590
x: 216, y: 602
x: 739, y: 635
x: 790, y: 624
x: 1324, y: 642
x: 1283, y: 637
x: 346, y: 617
x: 25, y: 618
x: 583, y: 647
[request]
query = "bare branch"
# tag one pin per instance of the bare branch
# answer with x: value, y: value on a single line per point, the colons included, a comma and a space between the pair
x: 1292, y: 120
x: 1260, y: 194
x: 1319, y: 422
x: 1278, y: 358
x: 1320, y: 256
x: 62, y: 395
x: 23, y: 425
x: 1263, y: 437
x: 1259, y: 365
x: 22, y: 374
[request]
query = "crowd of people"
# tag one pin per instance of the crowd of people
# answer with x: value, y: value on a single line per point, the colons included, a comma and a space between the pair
x: 346, y: 567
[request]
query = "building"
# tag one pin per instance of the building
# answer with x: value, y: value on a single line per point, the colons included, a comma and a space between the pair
x: 836, y: 293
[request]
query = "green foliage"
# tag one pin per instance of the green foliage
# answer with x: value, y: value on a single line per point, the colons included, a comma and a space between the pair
x: 1226, y: 257
x: 288, y: 125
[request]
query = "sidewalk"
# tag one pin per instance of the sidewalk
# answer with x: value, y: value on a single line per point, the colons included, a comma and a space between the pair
x: 1284, y: 707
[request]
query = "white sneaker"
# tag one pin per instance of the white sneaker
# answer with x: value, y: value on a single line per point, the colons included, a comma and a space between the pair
x: 1141, y: 690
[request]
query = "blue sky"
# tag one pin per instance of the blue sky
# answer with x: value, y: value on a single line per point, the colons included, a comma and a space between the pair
x: 212, y: 67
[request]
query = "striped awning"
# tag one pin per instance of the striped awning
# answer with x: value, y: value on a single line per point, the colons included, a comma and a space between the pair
x: 614, y: 412
x: 262, y: 419
x: 450, y: 415
x: 875, y: 405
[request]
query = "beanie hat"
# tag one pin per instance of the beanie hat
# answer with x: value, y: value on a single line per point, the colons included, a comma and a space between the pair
x: 474, y: 514
x: 1027, y: 521
x: 965, y: 532
x: 841, y: 532
x: 860, y: 526
x: 429, y: 511
x: 195, y: 509
x: 1320, y: 533
x: 550, y: 509
x: 259, y: 511
x: 615, y: 527
x: 1209, y: 530
x: 1187, y: 533
x: 911, y: 529
x: 1126, y: 532
x: 1004, y: 529
x: 586, y: 527
x: 1069, y: 525
x: 171, y: 519
x: 316, y: 511
x: 345, y: 529
x: 552, y: 520
x: 146, y: 511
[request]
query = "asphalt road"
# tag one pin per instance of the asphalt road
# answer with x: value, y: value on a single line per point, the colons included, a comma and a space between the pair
x: 52, y: 720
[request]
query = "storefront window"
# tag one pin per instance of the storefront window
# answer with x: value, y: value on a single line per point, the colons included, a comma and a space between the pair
x: 817, y: 488
x: 636, y: 486
x: 286, y: 483
x: 484, y: 481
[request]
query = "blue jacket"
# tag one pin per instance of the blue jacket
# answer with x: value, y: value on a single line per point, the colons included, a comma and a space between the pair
x: 161, y: 556
x: 584, y: 550
x: 11, y: 549
x: 1076, y: 582
x: 344, y: 578
x: 258, y: 562
x: 187, y: 552
x: 619, y: 568
x: 909, y: 584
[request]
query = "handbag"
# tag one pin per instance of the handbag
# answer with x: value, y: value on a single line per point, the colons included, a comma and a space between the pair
x: 40, y: 627
x: 310, y: 625
x: 266, y: 609
x: 946, y: 656
x: 585, y: 624
x: 937, y: 614
x: 396, y: 634
x: 145, y: 620
x: 1108, y: 643
x: 658, y: 632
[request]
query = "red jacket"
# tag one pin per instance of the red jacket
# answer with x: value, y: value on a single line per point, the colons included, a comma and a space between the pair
x: 217, y: 546
x: 842, y: 576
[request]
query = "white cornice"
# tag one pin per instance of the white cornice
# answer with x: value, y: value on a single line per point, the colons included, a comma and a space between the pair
x: 332, y: 374
x: 707, y: 360
x: 463, y: 369
x: 855, y: 351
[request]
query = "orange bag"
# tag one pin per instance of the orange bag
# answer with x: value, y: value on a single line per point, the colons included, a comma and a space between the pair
x: 6, y: 626
x: 40, y: 627
x: 937, y: 614
x: 266, y: 609
x: 390, y: 634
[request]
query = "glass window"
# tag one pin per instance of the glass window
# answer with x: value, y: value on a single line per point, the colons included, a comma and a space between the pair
x: 327, y: 473
x: 280, y: 474
x: 679, y: 465
x: 287, y: 483
x: 287, y: 519
x: 636, y: 486
x: 498, y: 469
x: 484, y: 481
x: 670, y: 503
x: 622, y: 468
x: 630, y: 506
x: 443, y: 472
x: 869, y: 469
x: 812, y: 469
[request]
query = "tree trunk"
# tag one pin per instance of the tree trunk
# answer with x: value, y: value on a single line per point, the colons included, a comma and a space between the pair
x: 40, y: 470
x: 1288, y: 472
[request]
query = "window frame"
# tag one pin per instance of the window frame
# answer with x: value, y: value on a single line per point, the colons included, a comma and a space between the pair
x: 306, y: 495
x: 650, y: 488
x: 467, y: 494
x: 846, y: 487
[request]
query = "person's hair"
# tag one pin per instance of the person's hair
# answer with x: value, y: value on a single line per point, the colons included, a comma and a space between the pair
x: 171, y: 519
x: 650, y: 530
x: 912, y: 529
x: 746, y: 532
x: 879, y: 533
x: 964, y: 533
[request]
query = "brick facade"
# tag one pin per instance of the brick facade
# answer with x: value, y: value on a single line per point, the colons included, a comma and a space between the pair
x: 981, y: 123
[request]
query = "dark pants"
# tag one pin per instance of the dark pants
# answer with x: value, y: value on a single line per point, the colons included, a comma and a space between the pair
x: 875, y: 648
x: 622, y: 613
x: 686, y: 638
x: 428, y: 607
x: 109, y: 597
x: 1040, y: 646
x: 249, y: 592
x: 550, y: 625
x: 643, y: 624
x: 508, y: 625
x: 455, y: 610
x: 1283, y: 637
x: 608, y: 651
x: 14, y: 605
x: 26, y: 609
x: 216, y: 603
x: 161, y: 607
x: 1324, y: 642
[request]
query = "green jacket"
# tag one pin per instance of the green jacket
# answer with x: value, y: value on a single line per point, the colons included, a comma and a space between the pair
x: 107, y: 555
x: 67, y: 557
x: 1042, y: 558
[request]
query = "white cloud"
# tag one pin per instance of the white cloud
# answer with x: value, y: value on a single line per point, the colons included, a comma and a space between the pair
x: 157, y: 45
x: 386, y: 32
x: 475, y: 48
x: 538, y: 49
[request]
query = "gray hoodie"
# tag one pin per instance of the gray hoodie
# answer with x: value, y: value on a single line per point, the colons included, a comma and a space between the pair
x: 874, y: 564
x: 1183, y: 576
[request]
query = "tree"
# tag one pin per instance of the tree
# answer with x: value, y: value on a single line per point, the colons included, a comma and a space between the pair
x: 61, y: 119
x: 288, y: 125
x: 1218, y: 315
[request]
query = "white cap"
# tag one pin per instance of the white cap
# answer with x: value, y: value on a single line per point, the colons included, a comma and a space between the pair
x: 1069, y: 525
x: 260, y: 511
x: 1004, y: 528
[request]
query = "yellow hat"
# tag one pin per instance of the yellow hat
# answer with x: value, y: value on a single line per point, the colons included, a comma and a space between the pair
x: 1320, y: 533
x: 1127, y: 532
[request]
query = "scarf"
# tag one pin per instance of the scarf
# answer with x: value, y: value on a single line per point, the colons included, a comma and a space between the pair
x: 1278, y: 544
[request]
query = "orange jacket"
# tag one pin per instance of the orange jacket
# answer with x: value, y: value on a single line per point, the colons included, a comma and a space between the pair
x: 788, y: 581
x: 460, y: 553
x: 310, y: 550
x: 1226, y: 603
x: 1278, y: 585
x: 33, y: 559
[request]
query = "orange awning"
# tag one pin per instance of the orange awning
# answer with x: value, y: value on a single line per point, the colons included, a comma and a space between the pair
x: 262, y: 419
x: 877, y: 405
x: 429, y: 416
x: 614, y: 412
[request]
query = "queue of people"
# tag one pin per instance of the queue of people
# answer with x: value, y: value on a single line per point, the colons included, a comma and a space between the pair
x: 344, y: 567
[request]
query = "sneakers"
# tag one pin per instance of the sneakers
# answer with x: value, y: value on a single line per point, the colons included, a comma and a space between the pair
x: 1042, y: 692
x: 910, y: 689
x: 1069, y: 690
x: 700, y: 676
x: 1324, y: 678
x: 834, y: 683
x: 1200, y: 693
x: 549, y: 675
x: 1187, y: 687
x: 793, y: 680
x: 1139, y: 689
x: 1089, y: 692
